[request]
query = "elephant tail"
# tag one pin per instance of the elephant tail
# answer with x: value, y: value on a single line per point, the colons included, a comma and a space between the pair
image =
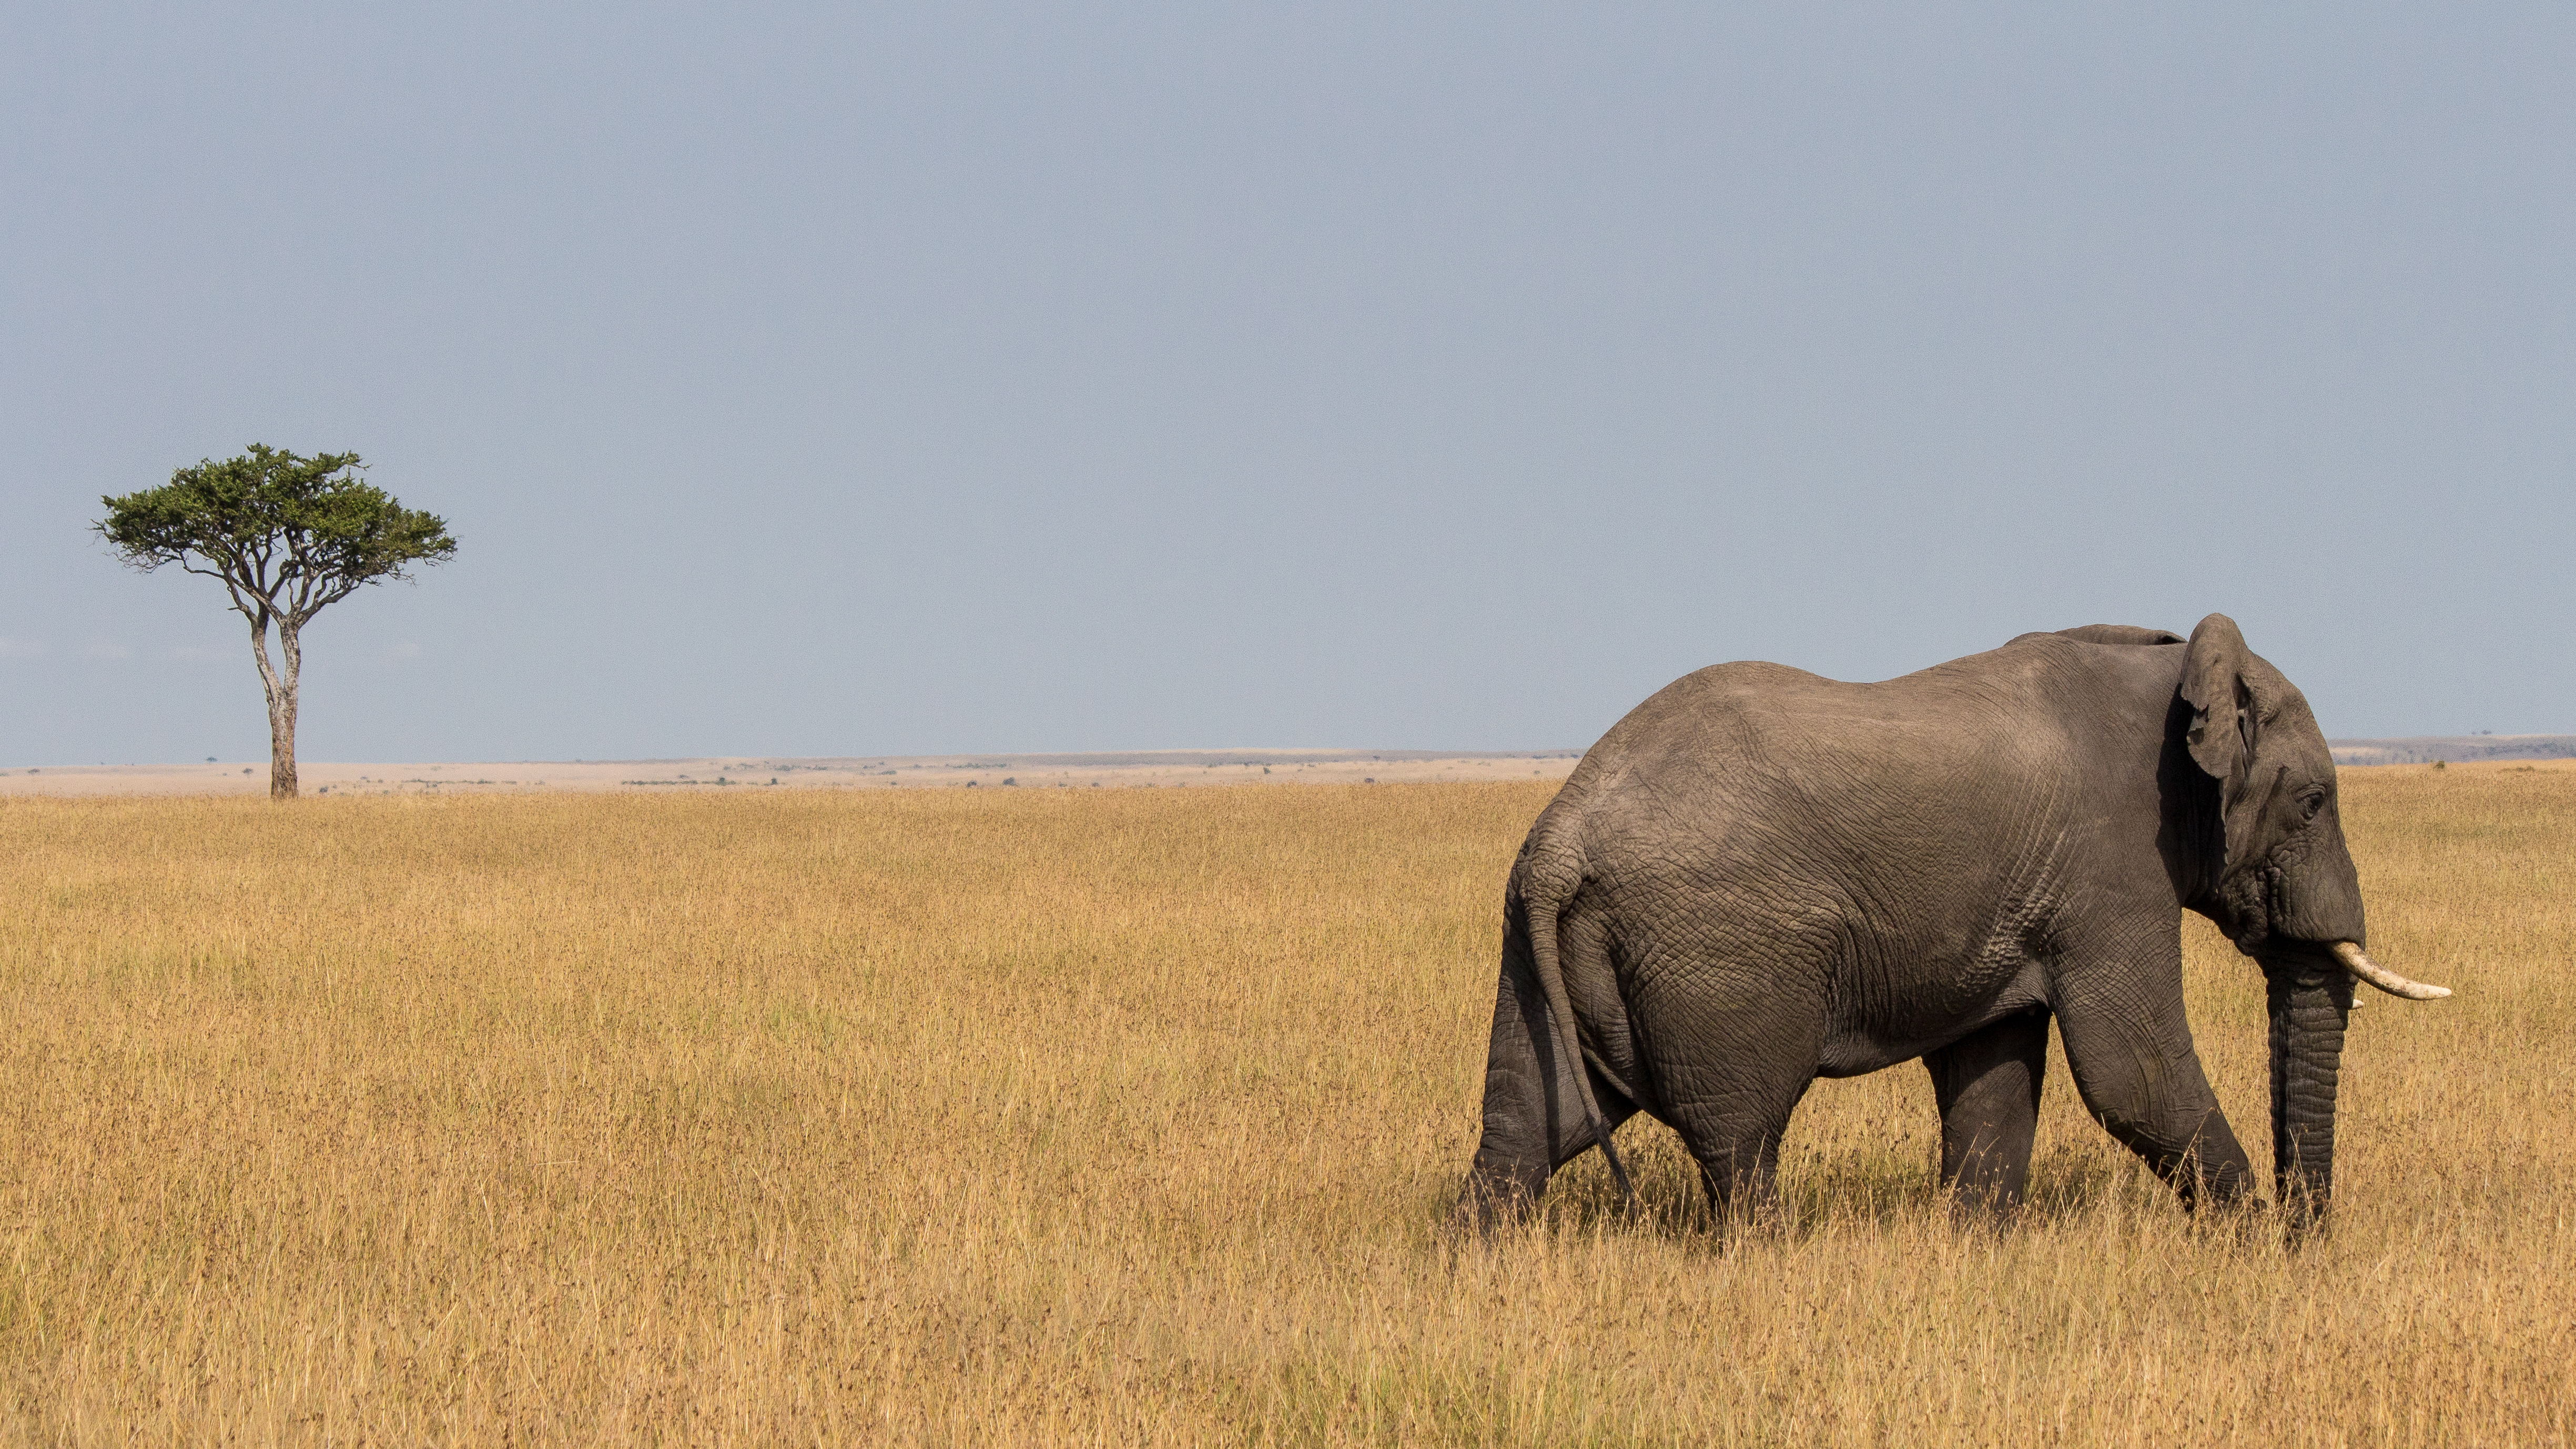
x: 1544, y: 893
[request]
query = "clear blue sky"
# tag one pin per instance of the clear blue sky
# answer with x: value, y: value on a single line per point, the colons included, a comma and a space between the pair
x: 818, y: 380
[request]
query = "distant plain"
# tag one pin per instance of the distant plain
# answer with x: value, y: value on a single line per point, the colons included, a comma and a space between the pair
x: 1160, y: 768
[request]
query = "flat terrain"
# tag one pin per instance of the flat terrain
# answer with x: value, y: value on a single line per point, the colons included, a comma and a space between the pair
x: 1131, y: 1116
x: 2454, y: 749
x: 1162, y: 768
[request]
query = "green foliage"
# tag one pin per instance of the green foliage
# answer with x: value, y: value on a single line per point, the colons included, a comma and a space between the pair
x: 286, y: 534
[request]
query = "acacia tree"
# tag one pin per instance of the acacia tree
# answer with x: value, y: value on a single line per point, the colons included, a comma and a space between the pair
x: 285, y: 536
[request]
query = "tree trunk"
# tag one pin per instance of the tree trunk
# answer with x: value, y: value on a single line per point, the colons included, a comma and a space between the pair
x: 281, y: 704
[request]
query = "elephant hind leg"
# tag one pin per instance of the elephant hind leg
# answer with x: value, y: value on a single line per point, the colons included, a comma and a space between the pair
x: 1734, y: 1129
x: 1742, y: 1174
x: 1534, y: 1124
x: 1987, y: 1084
x: 1513, y: 1163
x: 1740, y: 1048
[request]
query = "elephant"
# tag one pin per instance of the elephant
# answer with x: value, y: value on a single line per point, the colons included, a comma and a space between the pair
x: 1761, y: 876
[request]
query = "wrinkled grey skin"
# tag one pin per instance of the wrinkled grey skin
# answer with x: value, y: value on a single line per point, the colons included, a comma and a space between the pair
x: 1760, y: 877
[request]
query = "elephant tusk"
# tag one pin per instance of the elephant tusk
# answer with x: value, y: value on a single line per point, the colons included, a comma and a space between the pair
x: 2380, y: 976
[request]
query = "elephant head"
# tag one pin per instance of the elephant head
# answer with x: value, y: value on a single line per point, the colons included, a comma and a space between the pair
x: 2276, y: 877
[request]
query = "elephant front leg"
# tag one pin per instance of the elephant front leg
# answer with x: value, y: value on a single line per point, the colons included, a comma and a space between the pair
x: 1987, y: 1084
x: 2141, y: 1079
x: 1533, y: 1121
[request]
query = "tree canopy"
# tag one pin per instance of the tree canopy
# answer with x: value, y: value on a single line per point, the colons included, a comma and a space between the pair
x: 286, y: 534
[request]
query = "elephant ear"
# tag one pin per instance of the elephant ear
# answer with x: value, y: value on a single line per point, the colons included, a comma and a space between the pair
x: 2224, y: 718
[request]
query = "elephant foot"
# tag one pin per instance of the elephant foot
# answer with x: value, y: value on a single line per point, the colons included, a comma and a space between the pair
x: 1974, y: 1206
x: 1744, y: 1204
x: 1494, y: 1198
x: 2304, y: 1222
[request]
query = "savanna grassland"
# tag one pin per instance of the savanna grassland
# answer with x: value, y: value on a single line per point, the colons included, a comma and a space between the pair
x: 1133, y: 1117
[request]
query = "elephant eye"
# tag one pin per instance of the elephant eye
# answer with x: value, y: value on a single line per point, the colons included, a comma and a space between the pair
x: 2309, y: 807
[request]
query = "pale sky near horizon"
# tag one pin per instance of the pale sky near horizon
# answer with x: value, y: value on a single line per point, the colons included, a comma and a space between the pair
x: 825, y: 380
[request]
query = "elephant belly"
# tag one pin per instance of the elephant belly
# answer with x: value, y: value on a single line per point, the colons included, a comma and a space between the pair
x: 1900, y: 993
x: 1795, y: 980
x: 1856, y: 1047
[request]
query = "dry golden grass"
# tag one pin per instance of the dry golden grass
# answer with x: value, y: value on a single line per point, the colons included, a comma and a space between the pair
x: 1132, y: 1117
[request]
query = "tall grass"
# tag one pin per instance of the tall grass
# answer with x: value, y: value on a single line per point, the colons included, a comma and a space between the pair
x: 1132, y: 1117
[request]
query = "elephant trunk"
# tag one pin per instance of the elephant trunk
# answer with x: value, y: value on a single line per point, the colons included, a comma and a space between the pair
x: 2309, y: 1002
